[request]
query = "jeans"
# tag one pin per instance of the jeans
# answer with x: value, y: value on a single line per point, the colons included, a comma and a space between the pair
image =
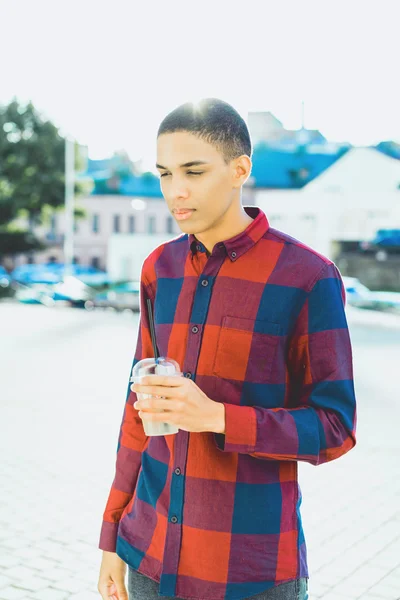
x: 141, y: 587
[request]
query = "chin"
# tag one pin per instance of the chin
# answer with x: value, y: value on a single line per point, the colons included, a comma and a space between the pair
x: 190, y: 228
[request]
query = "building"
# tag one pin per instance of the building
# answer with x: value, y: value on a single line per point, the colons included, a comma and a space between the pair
x: 347, y: 203
x: 264, y: 127
x: 106, y: 215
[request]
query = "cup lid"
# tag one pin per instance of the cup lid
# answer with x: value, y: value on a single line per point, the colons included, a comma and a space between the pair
x: 162, y: 366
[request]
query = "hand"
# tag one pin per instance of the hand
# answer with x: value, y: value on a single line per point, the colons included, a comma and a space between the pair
x: 112, y: 577
x: 185, y: 404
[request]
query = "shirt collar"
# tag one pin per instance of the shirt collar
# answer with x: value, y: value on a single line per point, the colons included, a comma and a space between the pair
x: 239, y: 244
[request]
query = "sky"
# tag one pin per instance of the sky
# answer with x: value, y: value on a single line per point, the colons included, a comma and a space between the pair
x: 107, y: 72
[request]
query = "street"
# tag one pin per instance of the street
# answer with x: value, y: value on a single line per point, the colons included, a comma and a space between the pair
x: 64, y: 374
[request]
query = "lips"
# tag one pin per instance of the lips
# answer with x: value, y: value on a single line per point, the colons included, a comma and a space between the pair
x: 182, y: 214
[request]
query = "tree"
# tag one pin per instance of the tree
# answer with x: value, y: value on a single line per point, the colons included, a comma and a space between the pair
x: 32, y: 154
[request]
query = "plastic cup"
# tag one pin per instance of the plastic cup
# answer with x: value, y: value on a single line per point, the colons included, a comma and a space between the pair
x: 150, y: 367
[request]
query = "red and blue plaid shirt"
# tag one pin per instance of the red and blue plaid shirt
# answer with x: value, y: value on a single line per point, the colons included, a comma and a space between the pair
x: 260, y: 326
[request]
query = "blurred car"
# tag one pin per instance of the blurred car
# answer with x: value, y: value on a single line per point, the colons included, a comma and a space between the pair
x: 387, y: 237
x: 359, y: 295
x: 5, y: 279
x: 120, y: 296
x: 385, y: 241
x: 69, y: 292
x: 56, y: 272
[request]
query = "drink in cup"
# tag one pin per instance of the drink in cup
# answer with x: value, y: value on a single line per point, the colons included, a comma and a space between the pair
x: 149, y: 367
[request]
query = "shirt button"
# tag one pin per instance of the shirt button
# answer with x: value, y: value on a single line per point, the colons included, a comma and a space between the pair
x: 174, y: 519
x: 177, y: 471
x: 204, y: 283
x: 188, y: 375
x: 233, y: 254
x: 195, y: 329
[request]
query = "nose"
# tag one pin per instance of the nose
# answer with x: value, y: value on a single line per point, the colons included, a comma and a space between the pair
x: 179, y: 188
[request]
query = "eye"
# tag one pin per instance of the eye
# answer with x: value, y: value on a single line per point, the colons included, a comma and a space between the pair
x: 195, y: 172
x: 164, y: 174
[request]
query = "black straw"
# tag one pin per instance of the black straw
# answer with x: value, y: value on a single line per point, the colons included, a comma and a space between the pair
x: 152, y: 329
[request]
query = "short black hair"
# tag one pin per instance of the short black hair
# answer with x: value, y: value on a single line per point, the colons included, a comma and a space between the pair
x: 213, y: 120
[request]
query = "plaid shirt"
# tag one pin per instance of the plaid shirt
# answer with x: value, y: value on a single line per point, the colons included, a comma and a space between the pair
x: 260, y: 326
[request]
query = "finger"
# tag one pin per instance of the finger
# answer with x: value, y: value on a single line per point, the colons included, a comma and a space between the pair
x: 122, y: 594
x: 163, y: 380
x: 156, y: 404
x: 111, y: 592
x: 152, y: 390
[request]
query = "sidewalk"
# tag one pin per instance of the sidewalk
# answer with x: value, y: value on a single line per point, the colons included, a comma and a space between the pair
x: 59, y: 421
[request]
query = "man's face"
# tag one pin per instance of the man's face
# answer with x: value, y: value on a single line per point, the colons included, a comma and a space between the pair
x: 198, y: 195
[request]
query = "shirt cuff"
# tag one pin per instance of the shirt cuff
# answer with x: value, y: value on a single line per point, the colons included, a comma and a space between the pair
x: 108, y: 536
x: 240, y: 430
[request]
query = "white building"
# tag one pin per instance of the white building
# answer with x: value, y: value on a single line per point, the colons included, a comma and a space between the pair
x: 106, y: 216
x: 357, y: 195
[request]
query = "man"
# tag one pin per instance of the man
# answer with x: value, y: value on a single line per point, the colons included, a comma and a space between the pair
x: 256, y: 321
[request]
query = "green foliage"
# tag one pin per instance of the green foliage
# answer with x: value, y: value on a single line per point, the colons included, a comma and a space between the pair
x: 32, y: 155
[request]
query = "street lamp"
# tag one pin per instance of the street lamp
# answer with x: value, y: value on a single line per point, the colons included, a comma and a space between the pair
x: 69, y: 205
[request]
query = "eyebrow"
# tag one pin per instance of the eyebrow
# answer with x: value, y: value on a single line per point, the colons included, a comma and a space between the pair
x: 193, y: 163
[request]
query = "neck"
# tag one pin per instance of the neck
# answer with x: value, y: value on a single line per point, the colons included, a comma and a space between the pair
x: 229, y: 226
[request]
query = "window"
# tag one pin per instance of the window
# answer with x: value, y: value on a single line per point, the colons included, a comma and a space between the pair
x: 95, y: 262
x: 170, y: 224
x: 131, y: 224
x: 96, y: 224
x: 151, y: 224
x: 116, y: 223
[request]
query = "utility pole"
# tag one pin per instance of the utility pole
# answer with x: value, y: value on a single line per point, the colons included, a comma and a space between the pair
x: 69, y: 205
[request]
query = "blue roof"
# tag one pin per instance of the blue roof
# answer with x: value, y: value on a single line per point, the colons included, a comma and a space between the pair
x: 146, y: 186
x: 98, y: 165
x: 389, y: 148
x: 278, y: 168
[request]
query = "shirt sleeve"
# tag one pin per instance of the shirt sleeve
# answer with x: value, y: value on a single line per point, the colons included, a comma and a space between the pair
x: 319, y: 424
x: 131, y: 440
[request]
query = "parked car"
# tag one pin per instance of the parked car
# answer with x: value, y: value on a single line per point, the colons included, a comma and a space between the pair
x: 55, y: 273
x: 387, y: 237
x: 385, y: 241
x: 70, y: 292
x: 359, y: 295
x: 120, y: 296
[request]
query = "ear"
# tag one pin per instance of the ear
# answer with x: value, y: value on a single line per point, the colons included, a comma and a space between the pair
x: 241, y: 169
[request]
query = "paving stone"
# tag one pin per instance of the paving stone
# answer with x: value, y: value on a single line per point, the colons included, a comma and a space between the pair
x: 12, y: 593
x: 41, y: 563
x: 32, y: 584
x: 19, y: 573
x: 51, y: 594
x: 8, y: 560
x: 72, y: 584
x: 384, y: 590
x: 85, y: 596
x: 4, y: 581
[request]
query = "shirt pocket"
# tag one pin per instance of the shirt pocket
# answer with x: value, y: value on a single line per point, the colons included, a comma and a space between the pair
x: 246, y: 349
